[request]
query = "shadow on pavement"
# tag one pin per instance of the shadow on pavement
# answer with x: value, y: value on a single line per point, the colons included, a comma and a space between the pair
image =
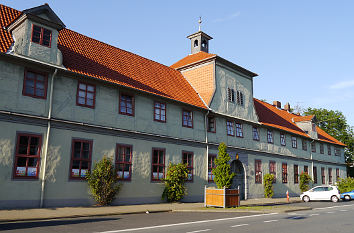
x: 48, y: 223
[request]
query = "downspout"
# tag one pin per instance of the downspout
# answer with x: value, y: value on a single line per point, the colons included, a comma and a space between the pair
x: 47, y: 137
x: 311, y: 160
x: 206, y: 142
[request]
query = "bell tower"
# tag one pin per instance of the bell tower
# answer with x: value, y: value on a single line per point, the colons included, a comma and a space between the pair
x: 199, y: 40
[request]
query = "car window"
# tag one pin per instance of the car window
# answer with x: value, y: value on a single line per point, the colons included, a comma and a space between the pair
x: 330, y: 188
x: 325, y: 189
x: 318, y: 189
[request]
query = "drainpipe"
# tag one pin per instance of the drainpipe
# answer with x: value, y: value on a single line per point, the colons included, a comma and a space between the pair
x: 47, y: 137
x: 206, y: 140
x: 311, y: 159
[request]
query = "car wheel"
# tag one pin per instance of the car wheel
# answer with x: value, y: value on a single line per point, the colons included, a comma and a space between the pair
x: 334, y: 199
x: 306, y: 198
x: 347, y: 197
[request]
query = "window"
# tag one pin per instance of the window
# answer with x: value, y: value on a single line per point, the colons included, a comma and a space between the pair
x: 313, y: 146
x: 126, y: 105
x: 80, y: 158
x: 273, y: 170
x: 239, y: 130
x: 329, y: 149
x: 187, y: 158
x: 124, y: 162
x: 159, y: 112
x: 230, y: 95
x: 35, y: 84
x: 27, y: 156
x: 296, y: 174
x: 323, y: 175
x: 284, y: 175
x: 282, y: 139
x: 269, y: 136
x: 211, y: 166
x: 230, y: 128
x: 240, y: 99
x: 258, y: 171
x: 315, y: 175
x: 321, y: 148
x: 306, y: 169
x: 337, y: 174
x: 211, y: 124
x: 329, y: 175
x: 158, y: 164
x: 304, y: 145
x: 86, y: 95
x: 336, y: 151
x: 255, y: 134
x: 187, y: 119
x: 294, y: 142
x: 196, y: 43
x: 41, y: 35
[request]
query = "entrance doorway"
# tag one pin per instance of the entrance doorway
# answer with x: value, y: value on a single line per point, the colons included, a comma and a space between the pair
x: 239, y: 179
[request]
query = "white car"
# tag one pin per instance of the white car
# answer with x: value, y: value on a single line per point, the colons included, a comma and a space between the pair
x: 321, y: 193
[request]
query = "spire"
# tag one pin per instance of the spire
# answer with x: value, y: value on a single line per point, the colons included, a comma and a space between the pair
x: 199, y: 40
x: 200, y: 23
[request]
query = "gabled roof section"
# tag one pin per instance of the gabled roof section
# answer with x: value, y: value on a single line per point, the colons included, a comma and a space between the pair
x: 271, y: 116
x: 192, y: 58
x: 87, y: 56
x: 45, y: 9
x: 303, y: 118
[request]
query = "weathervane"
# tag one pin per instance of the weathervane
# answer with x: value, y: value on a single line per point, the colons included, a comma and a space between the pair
x: 200, y: 22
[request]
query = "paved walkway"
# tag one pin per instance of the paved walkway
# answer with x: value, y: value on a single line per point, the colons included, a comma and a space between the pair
x: 252, y: 205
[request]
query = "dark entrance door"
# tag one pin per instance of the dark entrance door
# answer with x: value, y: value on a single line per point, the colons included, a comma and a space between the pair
x: 239, y: 179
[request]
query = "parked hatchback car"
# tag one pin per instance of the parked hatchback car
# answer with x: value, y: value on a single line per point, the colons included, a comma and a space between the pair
x: 317, y: 193
x: 347, y: 196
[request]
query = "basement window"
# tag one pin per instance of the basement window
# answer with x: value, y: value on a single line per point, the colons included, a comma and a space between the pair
x: 41, y: 35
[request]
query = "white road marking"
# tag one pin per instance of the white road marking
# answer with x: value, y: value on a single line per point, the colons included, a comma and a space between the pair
x: 271, y: 221
x: 198, y: 231
x: 331, y: 207
x: 293, y: 214
x: 343, y: 210
x: 314, y: 214
x: 330, y: 212
x: 241, y: 225
x: 187, y: 223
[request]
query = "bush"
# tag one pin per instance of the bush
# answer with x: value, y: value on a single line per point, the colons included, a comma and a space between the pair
x: 223, y: 177
x: 103, y: 182
x: 174, y: 182
x: 305, y: 180
x: 345, y: 185
x: 268, y: 185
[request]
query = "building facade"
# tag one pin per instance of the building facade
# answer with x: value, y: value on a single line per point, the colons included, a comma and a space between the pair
x: 67, y: 100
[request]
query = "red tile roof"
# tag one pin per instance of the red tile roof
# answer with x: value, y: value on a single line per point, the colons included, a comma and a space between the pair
x: 303, y: 118
x: 190, y: 59
x: 84, y: 55
x: 269, y: 115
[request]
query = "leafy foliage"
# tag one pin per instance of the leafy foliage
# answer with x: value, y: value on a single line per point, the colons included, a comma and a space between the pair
x: 268, y: 185
x: 223, y: 177
x: 345, y: 185
x: 103, y: 182
x: 335, y: 124
x: 174, y: 182
x: 305, y: 180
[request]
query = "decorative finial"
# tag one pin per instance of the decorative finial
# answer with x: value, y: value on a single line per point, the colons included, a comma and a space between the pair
x: 200, y: 22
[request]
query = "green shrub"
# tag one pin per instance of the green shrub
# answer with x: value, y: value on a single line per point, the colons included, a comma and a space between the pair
x: 345, y: 185
x: 174, y: 182
x: 103, y: 182
x: 223, y: 177
x: 268, y: 185
x: 305, y: 180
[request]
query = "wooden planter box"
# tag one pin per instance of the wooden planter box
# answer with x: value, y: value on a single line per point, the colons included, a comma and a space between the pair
x: 221, y: 197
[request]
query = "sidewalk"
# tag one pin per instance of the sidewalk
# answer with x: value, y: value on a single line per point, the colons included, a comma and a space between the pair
x: 252, y: 205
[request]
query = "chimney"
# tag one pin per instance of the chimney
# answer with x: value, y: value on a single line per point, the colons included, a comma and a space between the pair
x: 287, y: 107
x: 277, y: 104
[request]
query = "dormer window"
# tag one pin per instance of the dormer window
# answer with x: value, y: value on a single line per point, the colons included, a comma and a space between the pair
x: 41, y: 35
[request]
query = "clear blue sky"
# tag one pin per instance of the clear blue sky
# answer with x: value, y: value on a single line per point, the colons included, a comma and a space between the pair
x: 302, y: 50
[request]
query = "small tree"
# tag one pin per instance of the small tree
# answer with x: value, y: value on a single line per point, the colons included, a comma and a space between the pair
x: 223, y: 177
x: 345, y: 185
x: 174, y: 182
x: 268, y: 185
x: 305, y: 180
x: 103, y: 182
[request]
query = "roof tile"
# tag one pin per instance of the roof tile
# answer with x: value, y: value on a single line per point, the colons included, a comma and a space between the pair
x: 192, y: 59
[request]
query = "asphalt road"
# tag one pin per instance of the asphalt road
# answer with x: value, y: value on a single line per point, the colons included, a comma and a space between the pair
x: 324, y: 217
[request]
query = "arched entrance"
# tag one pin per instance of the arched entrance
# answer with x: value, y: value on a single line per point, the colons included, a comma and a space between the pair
x: 239, y: 179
